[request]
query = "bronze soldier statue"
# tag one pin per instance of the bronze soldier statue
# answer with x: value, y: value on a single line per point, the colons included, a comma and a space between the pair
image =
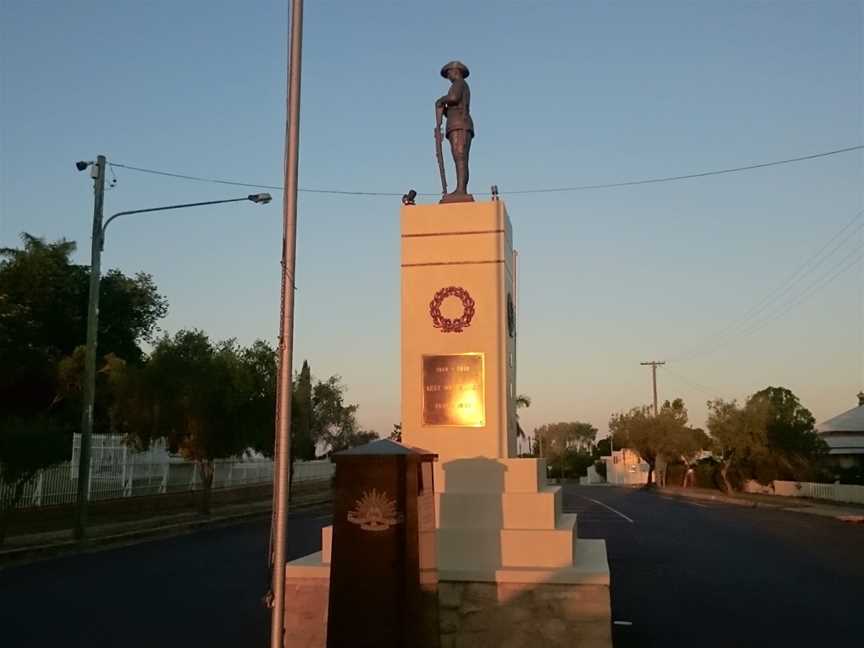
x: 456, y: 106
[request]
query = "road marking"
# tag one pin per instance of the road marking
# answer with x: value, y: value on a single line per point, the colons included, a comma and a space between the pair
x: 610, y: 508
x: 622, y: 623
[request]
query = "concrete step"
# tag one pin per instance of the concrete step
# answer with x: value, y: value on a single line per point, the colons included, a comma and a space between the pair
x: 590, y: 567
x: 485, y: 475
x: 473, y: 548
x: 539, y: 510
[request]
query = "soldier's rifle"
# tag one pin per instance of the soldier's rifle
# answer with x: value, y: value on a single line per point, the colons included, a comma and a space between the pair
x: 439, y: 152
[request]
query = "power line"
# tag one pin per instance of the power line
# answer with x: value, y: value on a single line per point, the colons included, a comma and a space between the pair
x: 235, y: 183
x: 692, y: 383
x: 758, y: 325
x: 853, y: 258
x: 775, y: 296
x: 814, y: 288
x: 630, y: 183
x: 608, y: 185
x: 744, y: 326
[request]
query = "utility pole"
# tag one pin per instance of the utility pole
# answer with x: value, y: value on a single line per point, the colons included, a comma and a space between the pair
x: 282, y: 448
x: 654, y: 364
x: 98, y: 173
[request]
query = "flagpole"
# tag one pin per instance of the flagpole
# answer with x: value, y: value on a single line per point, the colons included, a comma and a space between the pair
x: 282, y: 454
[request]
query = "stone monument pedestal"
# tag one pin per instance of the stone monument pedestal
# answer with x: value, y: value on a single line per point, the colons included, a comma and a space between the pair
x: 511, y: 569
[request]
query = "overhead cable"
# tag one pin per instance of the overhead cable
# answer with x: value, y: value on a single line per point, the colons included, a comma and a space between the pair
x: 780, y: 305
x: 774, y: 297
x: 584, y: 187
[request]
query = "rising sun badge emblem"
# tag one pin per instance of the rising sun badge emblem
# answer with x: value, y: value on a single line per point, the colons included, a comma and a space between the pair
x: 374, y: 511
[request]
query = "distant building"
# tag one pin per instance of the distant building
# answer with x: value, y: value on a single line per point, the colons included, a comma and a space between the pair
x: 844, y: 435
x: 625, y: 467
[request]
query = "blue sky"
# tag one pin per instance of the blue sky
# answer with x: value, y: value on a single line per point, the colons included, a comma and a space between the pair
x: 563, y: 93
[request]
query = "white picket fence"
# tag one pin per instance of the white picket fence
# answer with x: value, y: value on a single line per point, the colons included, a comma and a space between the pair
x: 849, y: 493
x: 132, y: 478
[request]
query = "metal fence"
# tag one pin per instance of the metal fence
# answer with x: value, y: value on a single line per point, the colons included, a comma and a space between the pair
x: 133, y: 478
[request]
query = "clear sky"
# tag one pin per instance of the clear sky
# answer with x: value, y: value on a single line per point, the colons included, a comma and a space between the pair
x: 563, y: 93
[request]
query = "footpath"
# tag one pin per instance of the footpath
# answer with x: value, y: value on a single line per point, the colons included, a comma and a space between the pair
x: 31, y: 547
x: 853, y: 513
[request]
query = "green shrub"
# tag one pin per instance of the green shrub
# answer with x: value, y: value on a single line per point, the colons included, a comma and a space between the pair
x: 600, y: 467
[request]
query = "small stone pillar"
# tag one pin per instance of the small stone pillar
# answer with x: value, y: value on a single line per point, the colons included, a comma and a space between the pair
x: 383, y: 585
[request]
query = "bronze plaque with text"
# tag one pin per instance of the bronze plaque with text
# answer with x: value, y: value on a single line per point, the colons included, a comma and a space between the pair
x: 453, y: 390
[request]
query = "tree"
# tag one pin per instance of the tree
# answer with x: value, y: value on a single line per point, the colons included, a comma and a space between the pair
x: 681, y: 442
x: 40, y: 321
x: 69, y: 398
x: 739, y: 432
x: 362, y: 437
x: 562, y: 442
x: 43, y: 316
x: 666, y: 435
x: 795, y: 445
x: 640, y: 431
x: 302, y: 444
x: 770, y: 437
x: 258, y: 362
x: 26, y: 447
x: 208, y: 401
x: 334, y: 424
x: 129, y: 310
x: 687, y: 447
x: 576, y: 463
x: 603, y: 448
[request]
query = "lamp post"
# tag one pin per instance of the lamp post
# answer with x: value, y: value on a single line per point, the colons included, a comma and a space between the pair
x: 98, y: 244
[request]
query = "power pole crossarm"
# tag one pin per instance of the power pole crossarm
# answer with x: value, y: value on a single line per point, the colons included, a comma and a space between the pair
x: 654, y: 364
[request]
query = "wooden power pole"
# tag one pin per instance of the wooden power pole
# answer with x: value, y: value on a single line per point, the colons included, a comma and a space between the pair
x: 83, y: 489
x: 654, y: 364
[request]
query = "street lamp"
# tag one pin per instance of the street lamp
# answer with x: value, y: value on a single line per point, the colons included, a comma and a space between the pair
x: 260, y: 198
x: 98, y: 244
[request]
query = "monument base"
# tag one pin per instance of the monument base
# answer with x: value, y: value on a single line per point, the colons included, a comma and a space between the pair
x: 511, y: 568
x: 455, y: 198
x: 501, y: 612
x: 306, y: 605
x: 516, y: 615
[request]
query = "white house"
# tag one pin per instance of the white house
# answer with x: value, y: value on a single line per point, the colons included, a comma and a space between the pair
x: 844, y: 435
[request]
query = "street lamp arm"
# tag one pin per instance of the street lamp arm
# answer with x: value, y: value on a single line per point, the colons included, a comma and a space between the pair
x: 155, y: 209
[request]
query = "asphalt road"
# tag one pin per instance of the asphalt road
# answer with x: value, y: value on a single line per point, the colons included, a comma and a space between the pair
x: 683, y: 574
x: 694, y: 573
x: 202, y: 589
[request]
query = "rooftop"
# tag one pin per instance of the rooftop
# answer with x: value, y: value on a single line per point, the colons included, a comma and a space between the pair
x: 851, y: 421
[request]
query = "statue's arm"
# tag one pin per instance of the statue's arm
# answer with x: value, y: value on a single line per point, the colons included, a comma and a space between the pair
x: 452, y: 97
